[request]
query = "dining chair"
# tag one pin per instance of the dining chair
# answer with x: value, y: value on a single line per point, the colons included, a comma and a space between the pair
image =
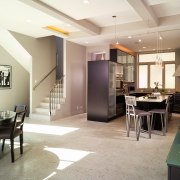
x: 137, y: 115
x: 11, y: 131
x: 164, y: 113
x: 19, y: 108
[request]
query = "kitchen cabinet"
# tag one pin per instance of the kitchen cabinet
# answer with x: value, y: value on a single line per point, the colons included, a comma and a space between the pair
x: 101, y: 102
x: 127, y: 61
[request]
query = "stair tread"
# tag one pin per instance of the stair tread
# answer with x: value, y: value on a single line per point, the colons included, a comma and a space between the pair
x: 43, y: 108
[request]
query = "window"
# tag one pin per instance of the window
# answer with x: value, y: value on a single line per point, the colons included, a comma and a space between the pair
x: 143, y: 74
x: 169, y: 78
x: 170, y: 56
x: 149, y: 72
x: 155, y: 76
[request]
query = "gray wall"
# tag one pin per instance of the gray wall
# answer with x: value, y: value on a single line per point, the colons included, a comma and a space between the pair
x: 43, y: 52
x: 75, y: 102
x: 19, y: 93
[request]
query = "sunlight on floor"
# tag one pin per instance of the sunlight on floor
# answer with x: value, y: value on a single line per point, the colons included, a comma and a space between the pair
x: 67, y: 156
x: 16, y: 144
x: 50, y: 176
x: 47, y: 129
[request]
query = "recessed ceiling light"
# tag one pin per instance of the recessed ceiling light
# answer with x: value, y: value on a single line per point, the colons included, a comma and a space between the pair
x: 153, y: 49
x: 86, y: 42
x: 85, y: 1
x: 140, y: 50
x: 169, y: 48
x: 129, y: 37
x: 139, y: 40
x: 28, y: 20
x: 144, y: 47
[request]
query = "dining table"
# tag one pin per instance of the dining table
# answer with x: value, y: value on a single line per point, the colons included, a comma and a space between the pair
x: 152, y: 99
x: 6, y: 117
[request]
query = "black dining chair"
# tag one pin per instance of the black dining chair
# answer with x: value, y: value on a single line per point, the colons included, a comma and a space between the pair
x: 11, y: 131
x: 19, y: 108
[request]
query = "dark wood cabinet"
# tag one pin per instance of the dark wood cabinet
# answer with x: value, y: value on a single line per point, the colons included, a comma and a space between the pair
x: 176, y: 103
x: 103, y: 102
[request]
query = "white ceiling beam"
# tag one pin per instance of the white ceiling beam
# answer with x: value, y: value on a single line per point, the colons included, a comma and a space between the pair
x: 83, y: 25
x: 145, y: 12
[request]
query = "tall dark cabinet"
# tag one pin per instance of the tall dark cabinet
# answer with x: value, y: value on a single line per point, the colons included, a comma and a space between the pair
x: 101, y: 91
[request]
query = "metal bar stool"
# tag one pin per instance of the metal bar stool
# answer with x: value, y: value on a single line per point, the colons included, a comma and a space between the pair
x: 163, y: 114
x: 137, y: 115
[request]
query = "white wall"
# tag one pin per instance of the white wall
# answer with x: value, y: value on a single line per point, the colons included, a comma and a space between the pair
x: 98, y: 49
x: 19, y: 93
x: 75, y: 102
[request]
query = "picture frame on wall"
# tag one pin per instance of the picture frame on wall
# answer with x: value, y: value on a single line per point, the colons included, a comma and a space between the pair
x: 5, y: 76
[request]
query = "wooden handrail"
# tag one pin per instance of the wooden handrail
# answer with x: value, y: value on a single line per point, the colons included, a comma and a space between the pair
x: 43, y: 78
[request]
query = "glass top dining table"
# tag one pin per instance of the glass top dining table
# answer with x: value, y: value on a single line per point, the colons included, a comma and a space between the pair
x: 6, y: 117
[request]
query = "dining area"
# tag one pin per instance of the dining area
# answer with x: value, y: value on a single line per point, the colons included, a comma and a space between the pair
x: 11, y: 127
x: 148, y: 113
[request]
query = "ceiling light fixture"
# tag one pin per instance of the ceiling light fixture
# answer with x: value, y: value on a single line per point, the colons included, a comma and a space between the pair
x: 115, y: 30
x: 85, y: 1
x: 28, y: 20
x: 158, y: 60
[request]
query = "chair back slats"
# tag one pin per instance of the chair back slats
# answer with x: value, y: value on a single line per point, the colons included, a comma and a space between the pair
x: 18, y: 108
x: 21, y: 116
x: 13, y: 126
x: 130, y: 103
x: 15, y: 123
x: 130, y: 100
x: 20, y: 121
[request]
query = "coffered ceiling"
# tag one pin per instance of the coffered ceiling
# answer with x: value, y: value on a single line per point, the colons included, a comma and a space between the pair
x: 92, y: 24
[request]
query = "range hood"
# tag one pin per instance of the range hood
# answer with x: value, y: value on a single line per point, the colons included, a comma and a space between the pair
x: 177, y: 72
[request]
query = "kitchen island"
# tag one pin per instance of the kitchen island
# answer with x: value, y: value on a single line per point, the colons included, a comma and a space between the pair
x: 153, y: 102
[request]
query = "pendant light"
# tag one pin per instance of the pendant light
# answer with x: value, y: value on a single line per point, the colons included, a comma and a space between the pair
x: 115, y: 30
x: 158, y: 60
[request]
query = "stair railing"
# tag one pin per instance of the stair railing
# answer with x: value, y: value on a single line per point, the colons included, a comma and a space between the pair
x: 47, y: 75
x: 56, y: 95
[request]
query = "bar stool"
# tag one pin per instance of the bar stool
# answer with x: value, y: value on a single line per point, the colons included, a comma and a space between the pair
x: 137, y: 115
x: 164, y: 115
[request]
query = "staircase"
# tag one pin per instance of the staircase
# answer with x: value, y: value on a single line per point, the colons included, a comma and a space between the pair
x: 50, y: 104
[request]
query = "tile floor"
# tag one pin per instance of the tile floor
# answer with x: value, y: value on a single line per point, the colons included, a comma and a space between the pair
x: 77, y: 149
